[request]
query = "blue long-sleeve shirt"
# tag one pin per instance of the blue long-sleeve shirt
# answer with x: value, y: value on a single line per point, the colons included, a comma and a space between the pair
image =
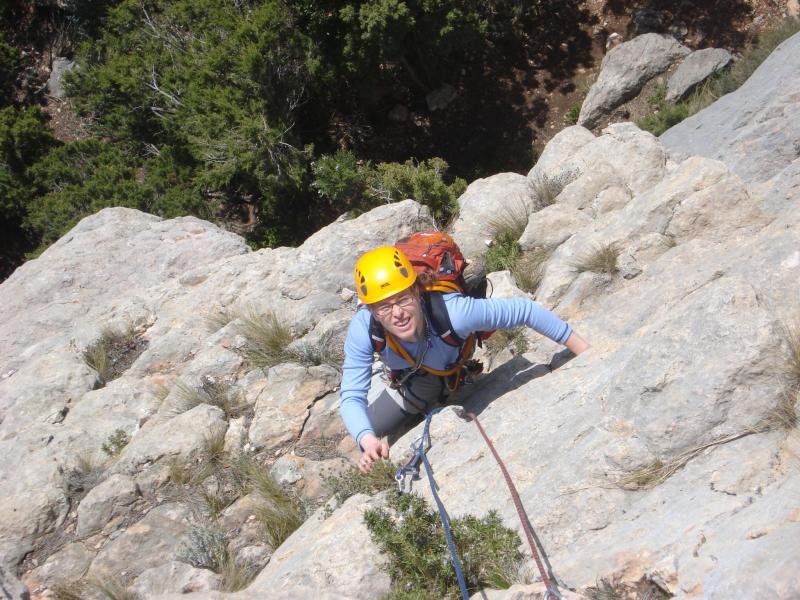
x: 467, y: 315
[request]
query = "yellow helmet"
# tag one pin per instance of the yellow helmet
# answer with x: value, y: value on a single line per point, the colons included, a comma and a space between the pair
x: 383, y: 272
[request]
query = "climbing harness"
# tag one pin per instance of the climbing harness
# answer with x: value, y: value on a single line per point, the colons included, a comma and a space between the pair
x: 409, y: 472
x: 551, y: 591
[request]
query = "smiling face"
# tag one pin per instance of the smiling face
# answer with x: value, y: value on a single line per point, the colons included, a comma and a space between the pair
x: 401, y: 315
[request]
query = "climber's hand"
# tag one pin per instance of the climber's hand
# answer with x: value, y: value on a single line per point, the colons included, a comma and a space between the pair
x: 372, y: 449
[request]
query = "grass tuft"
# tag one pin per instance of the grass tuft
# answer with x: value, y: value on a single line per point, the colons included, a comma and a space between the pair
x: 410, y: 534
x: 112, y: 588
x: 503, y: 253
x: 528, y: 269
x: 207, y: 548
x: 211, y: 392
x: 86, y: 472
x: 113, y: 352
x: 268, y: 339
x: 602, y: 259
x: 327, y: 350
x: 573, y: 113
x: 548, y: 188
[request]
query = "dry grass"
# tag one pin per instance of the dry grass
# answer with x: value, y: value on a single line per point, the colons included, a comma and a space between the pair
x: 615, y: 589
x: 511, y: 223
x: 217, y: 320
x: 791, y: 331
x: 85, y: 473
x: 180, y: 471
x: 327, y: 350
x: 548, y: 188
x: 236, y: 575
x: 113, y: 352
x: 268, y: 339
x: 658, y: 471
x: 601, y: 259
x: 112, y: 588
x: 528, y: 269
x: 513, y: 338
x: 211, y: 392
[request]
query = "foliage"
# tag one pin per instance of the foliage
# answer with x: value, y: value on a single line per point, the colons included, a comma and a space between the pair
x: 573, y: 113
x: 326, y: 350
x: 9, y: 65
x: 112, y: 588
x: 665, y: 114
x: 352, y: 481
x: 206, y: 548
x: 423, y: 181
x: 411, y: 536
x: 116, y: 442
x: 503, y: 253
x: 211, y: 392
x: 356, y: 185
x: 601, y: 259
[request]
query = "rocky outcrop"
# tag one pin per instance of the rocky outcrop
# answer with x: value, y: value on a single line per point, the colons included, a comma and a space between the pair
x: 625, y: 69
x: 694, y: 69
x: 754, y: 130
x: 667, y: 453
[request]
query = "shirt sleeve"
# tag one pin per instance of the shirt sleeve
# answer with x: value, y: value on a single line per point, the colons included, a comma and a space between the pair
x: 468, y: 315
x: 356, y: 377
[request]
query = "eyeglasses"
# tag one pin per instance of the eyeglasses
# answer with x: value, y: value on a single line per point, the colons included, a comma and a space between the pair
x: 384, y: 309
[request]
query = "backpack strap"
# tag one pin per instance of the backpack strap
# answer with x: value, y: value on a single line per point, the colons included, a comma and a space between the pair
x: 377, y: 335
x: 440, y: 319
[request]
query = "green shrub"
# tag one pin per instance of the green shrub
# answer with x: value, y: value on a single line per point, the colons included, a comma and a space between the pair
x: 503, y: 253
x: 411, y: 536
x: 352, y: 481
x: 116, y: 442
x: 423, y: 181
x: 340, y: 178
x: 573, y: 113
x: 9, y: 66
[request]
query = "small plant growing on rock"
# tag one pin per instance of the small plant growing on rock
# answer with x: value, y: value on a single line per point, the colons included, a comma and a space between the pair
x: 352, y: 481
x: 508, y: 338
x: 85, y: 473
x: 548, y: 187
x: 206, y: 548
x: 115, y: 443
x: 602, y: 259
x: 113, y: 352
x: 419, y: 564
x: 112, y: 588
x: 327, y: 350
x: 268, y: 339
x: 211, y: 392
x: 573, y: 113
x: 503, y: 253
x: 528, y: 269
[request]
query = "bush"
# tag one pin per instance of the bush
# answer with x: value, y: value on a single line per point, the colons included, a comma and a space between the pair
x: 9, y: 66
x: 412, y: 537
x: 503, y: 253
x: 116, y: 442
x: 424, y: 182
x: 341, y: 179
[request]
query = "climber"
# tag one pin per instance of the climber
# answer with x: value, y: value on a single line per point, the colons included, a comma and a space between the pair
x: 421, y: 366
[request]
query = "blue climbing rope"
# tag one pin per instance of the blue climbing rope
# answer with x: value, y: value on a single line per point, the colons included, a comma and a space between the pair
x: 424, y: 443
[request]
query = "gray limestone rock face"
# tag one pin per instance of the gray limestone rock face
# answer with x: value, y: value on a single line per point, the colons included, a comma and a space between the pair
x: 174, y: 577
x: 486, y: 201
x: 552, y: 226
x: 112, y: 498
x: 65, y: 566
x: 182, y: 435
x: 753, y: 130
x: 283, y: 406
x: 625, y: 70
x: 155, y: 540
x: 695, y: 69
x: 55, y: 83
x: 12, y: 588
